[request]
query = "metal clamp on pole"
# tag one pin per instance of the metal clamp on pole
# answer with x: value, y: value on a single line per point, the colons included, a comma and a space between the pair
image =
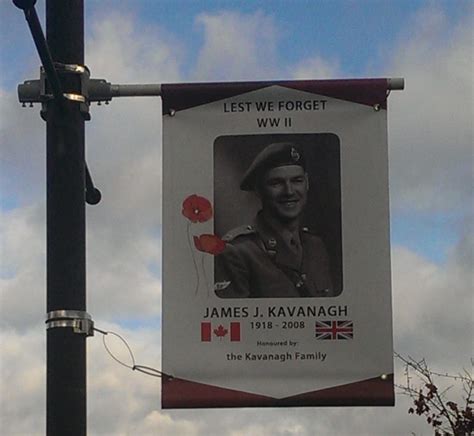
x: 80, y: 321
x: 80, y: 97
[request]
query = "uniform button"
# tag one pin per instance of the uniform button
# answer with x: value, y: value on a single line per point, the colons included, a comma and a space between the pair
x: 305, y: 229
x: 249, y: 227
x: 272, y: 243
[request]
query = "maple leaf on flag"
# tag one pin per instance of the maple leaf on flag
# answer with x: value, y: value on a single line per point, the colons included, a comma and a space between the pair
x: 220, y: 331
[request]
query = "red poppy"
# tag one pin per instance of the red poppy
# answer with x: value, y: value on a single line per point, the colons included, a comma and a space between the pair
x: 211, y: 244
x: 197, y: 209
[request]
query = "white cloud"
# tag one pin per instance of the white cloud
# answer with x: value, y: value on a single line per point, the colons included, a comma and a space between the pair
x: 431, y: 301
x: 23, y: 150
x: 433, y: 306
x: 23, y: 259
x: 316, y: 68
x: 237, y: 46
x: 122, y: 50
x: 124, y: 151
x: 431, y: 130
x: 120, y: 399
x: 23, y: 382
x: 157, y: 422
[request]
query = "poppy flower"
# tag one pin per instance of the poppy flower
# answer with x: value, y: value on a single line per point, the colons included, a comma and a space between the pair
x: 197, y: 209
x: 211, y: 244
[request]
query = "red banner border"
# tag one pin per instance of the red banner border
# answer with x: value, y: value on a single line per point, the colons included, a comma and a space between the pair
x: 179, y: 393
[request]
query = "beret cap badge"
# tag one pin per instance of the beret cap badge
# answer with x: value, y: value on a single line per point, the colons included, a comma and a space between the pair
x: 295, y: 155
x: 272, y: 156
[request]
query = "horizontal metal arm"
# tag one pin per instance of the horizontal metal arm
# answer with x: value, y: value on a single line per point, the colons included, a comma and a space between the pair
x: 146, y: 90
x: 396, y: 84
x: 101, y: 90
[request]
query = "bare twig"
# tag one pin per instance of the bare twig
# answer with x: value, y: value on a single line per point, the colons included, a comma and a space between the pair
x: 445, y: 416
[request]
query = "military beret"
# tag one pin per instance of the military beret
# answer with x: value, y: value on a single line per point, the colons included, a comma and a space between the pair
x: 274, y: 155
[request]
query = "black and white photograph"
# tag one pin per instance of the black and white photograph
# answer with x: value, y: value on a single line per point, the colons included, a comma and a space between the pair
x: 277, y: 200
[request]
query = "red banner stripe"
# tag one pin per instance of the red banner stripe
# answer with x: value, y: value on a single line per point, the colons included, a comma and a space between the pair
x: 206, y: 332
x: 235, y: 331
x: 179, y: 393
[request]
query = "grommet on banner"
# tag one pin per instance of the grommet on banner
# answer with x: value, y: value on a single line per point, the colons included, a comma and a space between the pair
x: 376, y: 107
x: 384, y: 377
x: 172, y: 112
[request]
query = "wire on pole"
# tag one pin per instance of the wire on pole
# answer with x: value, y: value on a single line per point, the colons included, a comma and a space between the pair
x: 148, y: 370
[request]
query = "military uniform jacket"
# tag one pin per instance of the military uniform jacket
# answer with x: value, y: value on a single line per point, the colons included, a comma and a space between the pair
x: 257, y: 263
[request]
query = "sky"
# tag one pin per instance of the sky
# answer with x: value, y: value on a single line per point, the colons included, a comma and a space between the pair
x: 429, y: 43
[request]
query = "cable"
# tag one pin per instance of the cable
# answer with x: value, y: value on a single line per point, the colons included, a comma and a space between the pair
x: 148, y: 370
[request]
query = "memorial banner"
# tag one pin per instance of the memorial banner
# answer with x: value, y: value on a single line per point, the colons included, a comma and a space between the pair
x: 276, y: 251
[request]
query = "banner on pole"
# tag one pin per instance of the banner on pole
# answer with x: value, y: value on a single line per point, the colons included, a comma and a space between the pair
x: 276, y: 254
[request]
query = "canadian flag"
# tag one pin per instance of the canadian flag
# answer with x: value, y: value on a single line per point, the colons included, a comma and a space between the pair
x: 220, y: 331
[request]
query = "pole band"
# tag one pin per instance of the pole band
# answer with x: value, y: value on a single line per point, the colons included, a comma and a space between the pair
x: 80, y: 321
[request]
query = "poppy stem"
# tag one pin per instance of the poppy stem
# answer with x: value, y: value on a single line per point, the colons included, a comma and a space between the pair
x: 205, y: 275
x: 194, y: 259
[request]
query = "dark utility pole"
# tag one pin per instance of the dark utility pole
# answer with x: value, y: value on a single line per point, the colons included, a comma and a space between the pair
x: 66, y: 274
x: 64, y: 108
x: 65, y: 92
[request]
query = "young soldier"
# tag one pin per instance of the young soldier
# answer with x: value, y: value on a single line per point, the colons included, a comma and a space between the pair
x: 275, y: 256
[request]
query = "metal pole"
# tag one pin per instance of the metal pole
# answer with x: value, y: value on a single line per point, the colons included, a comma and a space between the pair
x: 144, y: 90
x: 101, y: 90
x: 66, y: 275
x: 396, y: 83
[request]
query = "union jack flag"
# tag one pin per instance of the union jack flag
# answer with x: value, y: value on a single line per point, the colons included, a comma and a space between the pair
x: 334, y: 330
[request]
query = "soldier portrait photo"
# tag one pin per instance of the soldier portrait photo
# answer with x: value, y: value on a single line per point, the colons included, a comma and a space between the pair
x: 278, y: 208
